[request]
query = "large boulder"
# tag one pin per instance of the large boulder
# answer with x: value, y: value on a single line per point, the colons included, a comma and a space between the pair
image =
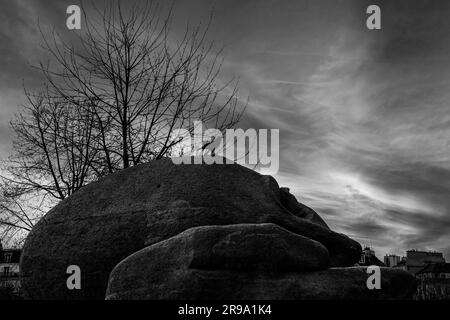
x: 235, y: 247
x: 245, y: 261
x: 173, y: 269
x: 107, y: 221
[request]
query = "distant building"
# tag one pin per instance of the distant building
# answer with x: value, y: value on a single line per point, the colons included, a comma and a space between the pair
x: 435, y: 271
x: 368, y: 258
x: 401, y: 265
x: 417, y: 260
x: 9, y: 267
x: 392, y: 260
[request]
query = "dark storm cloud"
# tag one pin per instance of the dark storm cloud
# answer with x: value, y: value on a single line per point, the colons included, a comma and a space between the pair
x: 414, y: 29
x: 19, y: 50
x: 14, y: 29
x: 20, y: 36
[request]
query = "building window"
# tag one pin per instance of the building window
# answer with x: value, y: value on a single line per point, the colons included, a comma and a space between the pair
x: 8, y: 257
x: 6, y: 271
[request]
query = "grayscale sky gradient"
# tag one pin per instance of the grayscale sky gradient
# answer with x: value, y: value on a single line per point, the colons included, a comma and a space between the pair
x: 363, y: 115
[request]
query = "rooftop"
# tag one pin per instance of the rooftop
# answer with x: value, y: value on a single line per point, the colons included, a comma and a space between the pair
x: 421, y: 251
x: 436, y: 268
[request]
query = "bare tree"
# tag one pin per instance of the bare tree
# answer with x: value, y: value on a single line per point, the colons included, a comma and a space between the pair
x: 142, y: 83
x: 18, y: 215
x: 113, y: 99
x: 54, y: 155
x: 55, y: 151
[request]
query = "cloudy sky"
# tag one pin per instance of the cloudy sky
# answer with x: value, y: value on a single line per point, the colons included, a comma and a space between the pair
x: 363, y: 114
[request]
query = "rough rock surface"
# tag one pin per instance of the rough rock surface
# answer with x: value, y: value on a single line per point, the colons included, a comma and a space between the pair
x: 109, y: 220
x: 237, y: 247
x: 145, y: 275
